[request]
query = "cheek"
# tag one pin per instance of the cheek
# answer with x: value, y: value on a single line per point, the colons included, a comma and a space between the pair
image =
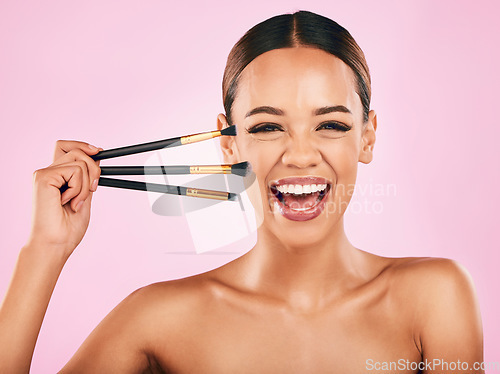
x: 262, y: 155
x: 343, y: 159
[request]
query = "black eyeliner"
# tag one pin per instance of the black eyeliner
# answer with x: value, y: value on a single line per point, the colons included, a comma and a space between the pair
x: 260, y: 128
x: 338, y: 126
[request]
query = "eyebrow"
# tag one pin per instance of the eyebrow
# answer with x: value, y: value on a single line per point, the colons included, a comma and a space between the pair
x: 278, y: 112
x: 331, y: 109
x: 265, y: 109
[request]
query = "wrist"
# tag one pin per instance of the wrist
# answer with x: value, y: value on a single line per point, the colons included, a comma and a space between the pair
x: 45, y: 253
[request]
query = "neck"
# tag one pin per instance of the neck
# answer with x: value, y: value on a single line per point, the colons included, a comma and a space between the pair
x: 305, y: 277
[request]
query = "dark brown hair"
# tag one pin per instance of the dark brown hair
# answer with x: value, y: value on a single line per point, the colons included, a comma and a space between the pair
x: 294, y: 30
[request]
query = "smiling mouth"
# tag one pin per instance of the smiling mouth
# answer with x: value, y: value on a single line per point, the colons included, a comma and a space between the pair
x: 300, y: 198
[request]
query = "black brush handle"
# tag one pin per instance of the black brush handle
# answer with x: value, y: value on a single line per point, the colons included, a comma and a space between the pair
x: 162, y: 188
x: 141, y: 186
x: 159, y: 144
x: 144, y: 170
x: 138, y: 148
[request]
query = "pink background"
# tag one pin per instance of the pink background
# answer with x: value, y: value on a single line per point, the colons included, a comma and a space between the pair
x: 121, y: 72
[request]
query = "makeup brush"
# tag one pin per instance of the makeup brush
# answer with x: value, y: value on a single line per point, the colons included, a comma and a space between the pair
x: 242, y: 169
x: 168, y: 189
x: 159, y: 144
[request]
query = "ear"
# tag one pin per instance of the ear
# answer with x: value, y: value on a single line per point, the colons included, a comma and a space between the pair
x: 227, y: 143
x: 368, y: 138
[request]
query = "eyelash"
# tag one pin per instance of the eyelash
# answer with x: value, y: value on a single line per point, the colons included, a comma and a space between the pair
x: 261, y: 127
x: 270, y: 127
x: 336, y: 126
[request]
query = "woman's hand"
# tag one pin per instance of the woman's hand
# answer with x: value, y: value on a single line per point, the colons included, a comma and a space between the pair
x: 62, y: 196
x: 60, y: 220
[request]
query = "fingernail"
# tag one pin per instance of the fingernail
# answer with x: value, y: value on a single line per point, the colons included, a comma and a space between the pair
x: 94, y: 185
x: 78, y: 206
x: 92, y: 147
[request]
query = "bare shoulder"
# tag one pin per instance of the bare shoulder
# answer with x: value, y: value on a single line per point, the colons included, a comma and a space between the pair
x: 430, y: 274
x: 430, y: 281
x: 193, y: 289
x: 176, y: 306
x: 438, y: 281
x: 444, y: 304
x: 181, y: 300
x: 129, y: 337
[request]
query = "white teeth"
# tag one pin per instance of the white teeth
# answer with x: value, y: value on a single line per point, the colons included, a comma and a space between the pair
x: 298, y: 189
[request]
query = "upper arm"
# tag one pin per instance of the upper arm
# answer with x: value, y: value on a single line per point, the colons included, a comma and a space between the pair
x: 119, y: 344
x: 449, y: 319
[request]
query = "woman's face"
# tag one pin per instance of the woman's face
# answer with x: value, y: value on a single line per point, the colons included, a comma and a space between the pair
x: 300, y: 125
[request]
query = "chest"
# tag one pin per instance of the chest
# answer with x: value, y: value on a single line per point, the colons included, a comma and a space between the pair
x: 275, y: 341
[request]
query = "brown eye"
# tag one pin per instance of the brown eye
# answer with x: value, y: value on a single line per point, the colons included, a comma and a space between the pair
x: 264, y: 127
x: 335, y: 126
x: 266, y: 131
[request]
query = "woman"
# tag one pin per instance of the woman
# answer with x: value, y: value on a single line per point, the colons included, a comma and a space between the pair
x: 304, y: 299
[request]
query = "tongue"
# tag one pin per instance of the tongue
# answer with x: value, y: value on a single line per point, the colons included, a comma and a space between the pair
x: 303, y: 201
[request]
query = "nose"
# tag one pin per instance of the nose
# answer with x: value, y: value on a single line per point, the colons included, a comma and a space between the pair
x: 301, y: 152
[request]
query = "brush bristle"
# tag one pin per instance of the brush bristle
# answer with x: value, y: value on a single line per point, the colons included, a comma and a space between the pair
x: 230, y: 131
x: 242, y: 169
x: 232, y: 196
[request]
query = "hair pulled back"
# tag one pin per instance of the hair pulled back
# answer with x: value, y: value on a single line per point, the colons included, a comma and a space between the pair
x: 304, y: 29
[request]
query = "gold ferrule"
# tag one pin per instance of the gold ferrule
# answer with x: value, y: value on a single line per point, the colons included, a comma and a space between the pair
x: 210, y: 169
x: 207, y: 194
x: 199, y: 137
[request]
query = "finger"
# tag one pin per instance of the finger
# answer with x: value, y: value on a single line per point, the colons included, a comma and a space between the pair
x: 76, y: 176
x: 93, y: 168
x: 65, y: 146
x: 86, y: 204
x: 55, y: 178
x: 49, y: 177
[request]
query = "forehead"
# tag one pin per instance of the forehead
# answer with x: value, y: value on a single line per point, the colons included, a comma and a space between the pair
x: 297, y: 79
